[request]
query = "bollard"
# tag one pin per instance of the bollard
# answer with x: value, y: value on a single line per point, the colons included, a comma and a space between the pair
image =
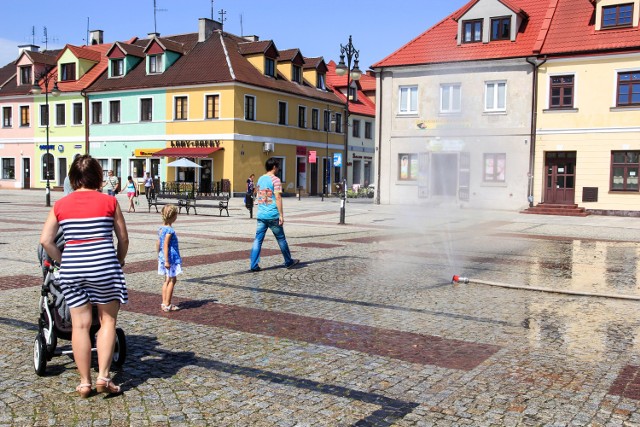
x: 458, y: 279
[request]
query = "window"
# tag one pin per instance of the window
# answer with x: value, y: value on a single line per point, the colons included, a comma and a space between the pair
x: 281, y: 170
x: 6, y: 117
x: 77, y: 113
x: 368, y: 130
x: 408, y: 100
x: 327, y: 121
x: 8, y: 168
x: 353, y: 93
x: 629, y: 88
x: 296, y: 74
x: 68, y: 72
x: 619, y: 15
x: 146, y: 109
x: 249, y: 107
x: 25, y: 75
x: 25, y: 120
x: 96, y: 113
x: 117, y: 67
x: 338, y: 123
x: 450, y: 98
x: 495, y: 96
x: 320, y: 83
x: 407, y: 166
x: 155, y: 64
x: 561, y: 92
x: 624, y: 170
x: 48, y: 168
x: 501, y: 28
x: 302, y: 117
x: 213, y: 106
x: 44, y: 115
x: 355, y: 128
x: 114, y: 111
x: 60, y: 115
x: 494, y: 167
x: 282, y: 113
x: 315, y: 119
x: 269, y: 67
x: 180, y: 108
x: 472, y: 31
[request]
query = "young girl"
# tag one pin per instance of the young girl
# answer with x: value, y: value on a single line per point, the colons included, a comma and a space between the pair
x: 169, y: 261
x: 131, y: 193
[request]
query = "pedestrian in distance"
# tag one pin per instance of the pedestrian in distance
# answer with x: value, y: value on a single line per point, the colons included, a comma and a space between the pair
x: 111, y: 184
x: 270, y: 215
x: 132, y: 193
x: 248, y: 197
x: 149, y: 186
x: 90, y: 267
x: 169, y: 261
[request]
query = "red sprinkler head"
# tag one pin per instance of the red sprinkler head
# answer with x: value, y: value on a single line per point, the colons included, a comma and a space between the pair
x: 458, y: 279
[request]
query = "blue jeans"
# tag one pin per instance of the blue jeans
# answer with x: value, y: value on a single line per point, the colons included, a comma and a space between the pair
x: 278, y: 232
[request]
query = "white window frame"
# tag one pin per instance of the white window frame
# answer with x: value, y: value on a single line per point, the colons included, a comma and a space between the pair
x: 64, y: 109
x: 28, y: 107
x: 118, y: 65
x: 10, y: 124
x: 204, y: 109
x: 316, y: 125
x: 175, y: 117
x: 142, y: 98
x: 447, y: 91
x: 73, y: 114
x: 412, y: 92
x: 2, y: 159
x: 492, y: 88
x: 119, y: 110
x: 158, y: 69
x: 92, y: 105
x: 302, y: 109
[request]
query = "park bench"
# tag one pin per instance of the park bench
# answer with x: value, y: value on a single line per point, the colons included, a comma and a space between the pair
x: 219, y: 201
x: 161, y: 199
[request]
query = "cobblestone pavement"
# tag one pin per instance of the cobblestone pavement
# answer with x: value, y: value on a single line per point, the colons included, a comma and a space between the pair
x: 367, y: 331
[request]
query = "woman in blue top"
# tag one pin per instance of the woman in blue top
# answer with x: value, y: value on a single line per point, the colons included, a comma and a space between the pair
x: 169, y: 261
x: 131, y: 193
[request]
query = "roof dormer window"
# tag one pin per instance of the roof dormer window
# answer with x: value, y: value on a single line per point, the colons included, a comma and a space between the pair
x: 155, y: 64
x: 501, y: 28
x: 25, y: 75
x: 320, y: 84
x: 619, y: 15
x: 269, y: 67
x: 117, y: 67
x: 68, y: 72
x: 296, y: 73
x: 472, y: 31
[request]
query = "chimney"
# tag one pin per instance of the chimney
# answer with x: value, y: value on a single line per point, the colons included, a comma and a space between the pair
x: 206, y: 27
x: 29, y: 47
x: 96, y: 37
x: 252, y: 38
x: 152, y: 35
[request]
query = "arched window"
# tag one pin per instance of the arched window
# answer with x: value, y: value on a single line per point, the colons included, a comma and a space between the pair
x: 48, y: 168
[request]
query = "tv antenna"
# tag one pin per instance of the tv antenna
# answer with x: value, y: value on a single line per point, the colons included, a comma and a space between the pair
x: 45, y: 39
x: 212, y: 10
x: 155, y: 10
x: 222, y: 12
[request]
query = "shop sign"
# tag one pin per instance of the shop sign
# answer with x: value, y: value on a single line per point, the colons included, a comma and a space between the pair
x: 312, y: 156
x: 45, y: 147
x: 301, y: 150
x: 146, y: 152
x: 192, y: 143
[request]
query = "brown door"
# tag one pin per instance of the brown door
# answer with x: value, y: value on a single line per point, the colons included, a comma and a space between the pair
x: 26, y: 173
x: 560, y: 177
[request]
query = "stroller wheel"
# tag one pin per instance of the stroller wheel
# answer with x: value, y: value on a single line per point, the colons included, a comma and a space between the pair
x: 52, y: 343
x: 39, y: 354
x: 120, y: 349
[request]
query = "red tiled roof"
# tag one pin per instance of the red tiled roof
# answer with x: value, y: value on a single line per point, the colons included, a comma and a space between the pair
x: 514, y: 8
x: 572, y: 30
x: 96, y: 51
x: 83, y: 52
x: 438, y: 44
x: 128, y: 49
x: 363, y: 105
x: 47, y: 57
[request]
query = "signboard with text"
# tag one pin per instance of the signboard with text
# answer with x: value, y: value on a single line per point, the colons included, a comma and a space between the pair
x: 337, y: 160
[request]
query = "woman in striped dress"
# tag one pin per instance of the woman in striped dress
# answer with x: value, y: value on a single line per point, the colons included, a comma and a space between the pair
x: 90, y: 266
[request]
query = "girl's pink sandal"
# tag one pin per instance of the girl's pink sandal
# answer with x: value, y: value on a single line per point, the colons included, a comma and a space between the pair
x: 84, y: 390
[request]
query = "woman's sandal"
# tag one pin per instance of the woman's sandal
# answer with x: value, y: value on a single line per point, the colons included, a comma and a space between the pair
x: 105, y: 385
x: 84, y: 390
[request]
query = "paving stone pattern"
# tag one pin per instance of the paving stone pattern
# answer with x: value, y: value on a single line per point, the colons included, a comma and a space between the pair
x: 367, y: 330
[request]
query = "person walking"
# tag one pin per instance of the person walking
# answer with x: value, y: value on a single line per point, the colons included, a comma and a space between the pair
x: 90, y: 267
x: 169, y: 260
x: 248, y: 198
x: 270, y: 215
x: 111, y: 184
x: 149, y: 186
x: 132, y: 193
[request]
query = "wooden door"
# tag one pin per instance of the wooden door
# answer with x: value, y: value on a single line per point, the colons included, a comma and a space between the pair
x: 26, y: 173
x: 560, y: 169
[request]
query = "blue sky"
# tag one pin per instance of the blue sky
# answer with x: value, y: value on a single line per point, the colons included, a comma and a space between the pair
x: 378, y: 27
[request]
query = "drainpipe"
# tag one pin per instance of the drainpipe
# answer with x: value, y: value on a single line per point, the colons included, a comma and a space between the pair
x: 536, y: 63
x: 86, y: 121
x: 379, y: 144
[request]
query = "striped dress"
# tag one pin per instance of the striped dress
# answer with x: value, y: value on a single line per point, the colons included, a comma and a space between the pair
x: 90, y: 271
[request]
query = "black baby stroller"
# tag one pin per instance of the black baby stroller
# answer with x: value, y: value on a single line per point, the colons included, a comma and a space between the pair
x: 55, y: 318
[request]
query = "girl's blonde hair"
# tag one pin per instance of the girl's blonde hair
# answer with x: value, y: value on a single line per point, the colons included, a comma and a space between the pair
x: 169, y: 213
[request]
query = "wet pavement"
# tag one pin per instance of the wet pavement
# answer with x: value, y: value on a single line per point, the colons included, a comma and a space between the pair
x: 368, y: 330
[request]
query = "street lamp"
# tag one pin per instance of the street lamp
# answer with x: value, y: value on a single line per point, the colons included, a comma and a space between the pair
x: 46, y: 78
x: 327, y: 172
x: 353, y: 73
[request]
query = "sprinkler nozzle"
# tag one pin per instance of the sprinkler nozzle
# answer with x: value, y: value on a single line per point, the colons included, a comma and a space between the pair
x: 458, y: 279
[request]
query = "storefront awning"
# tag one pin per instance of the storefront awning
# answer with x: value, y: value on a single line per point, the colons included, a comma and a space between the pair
x: 187, y: 151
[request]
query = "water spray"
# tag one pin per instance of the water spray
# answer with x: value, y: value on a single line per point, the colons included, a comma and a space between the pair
x: 461, y: 279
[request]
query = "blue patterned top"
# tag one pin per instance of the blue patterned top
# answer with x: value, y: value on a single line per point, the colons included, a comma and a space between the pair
x: 174, y: 251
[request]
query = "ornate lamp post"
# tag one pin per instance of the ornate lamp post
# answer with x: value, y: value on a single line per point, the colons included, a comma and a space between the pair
x: 353, y: 73
x: 46, y: 78
x: 327, y: 172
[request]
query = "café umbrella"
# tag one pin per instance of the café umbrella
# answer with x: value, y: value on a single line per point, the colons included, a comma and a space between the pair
x: 185, y: 163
